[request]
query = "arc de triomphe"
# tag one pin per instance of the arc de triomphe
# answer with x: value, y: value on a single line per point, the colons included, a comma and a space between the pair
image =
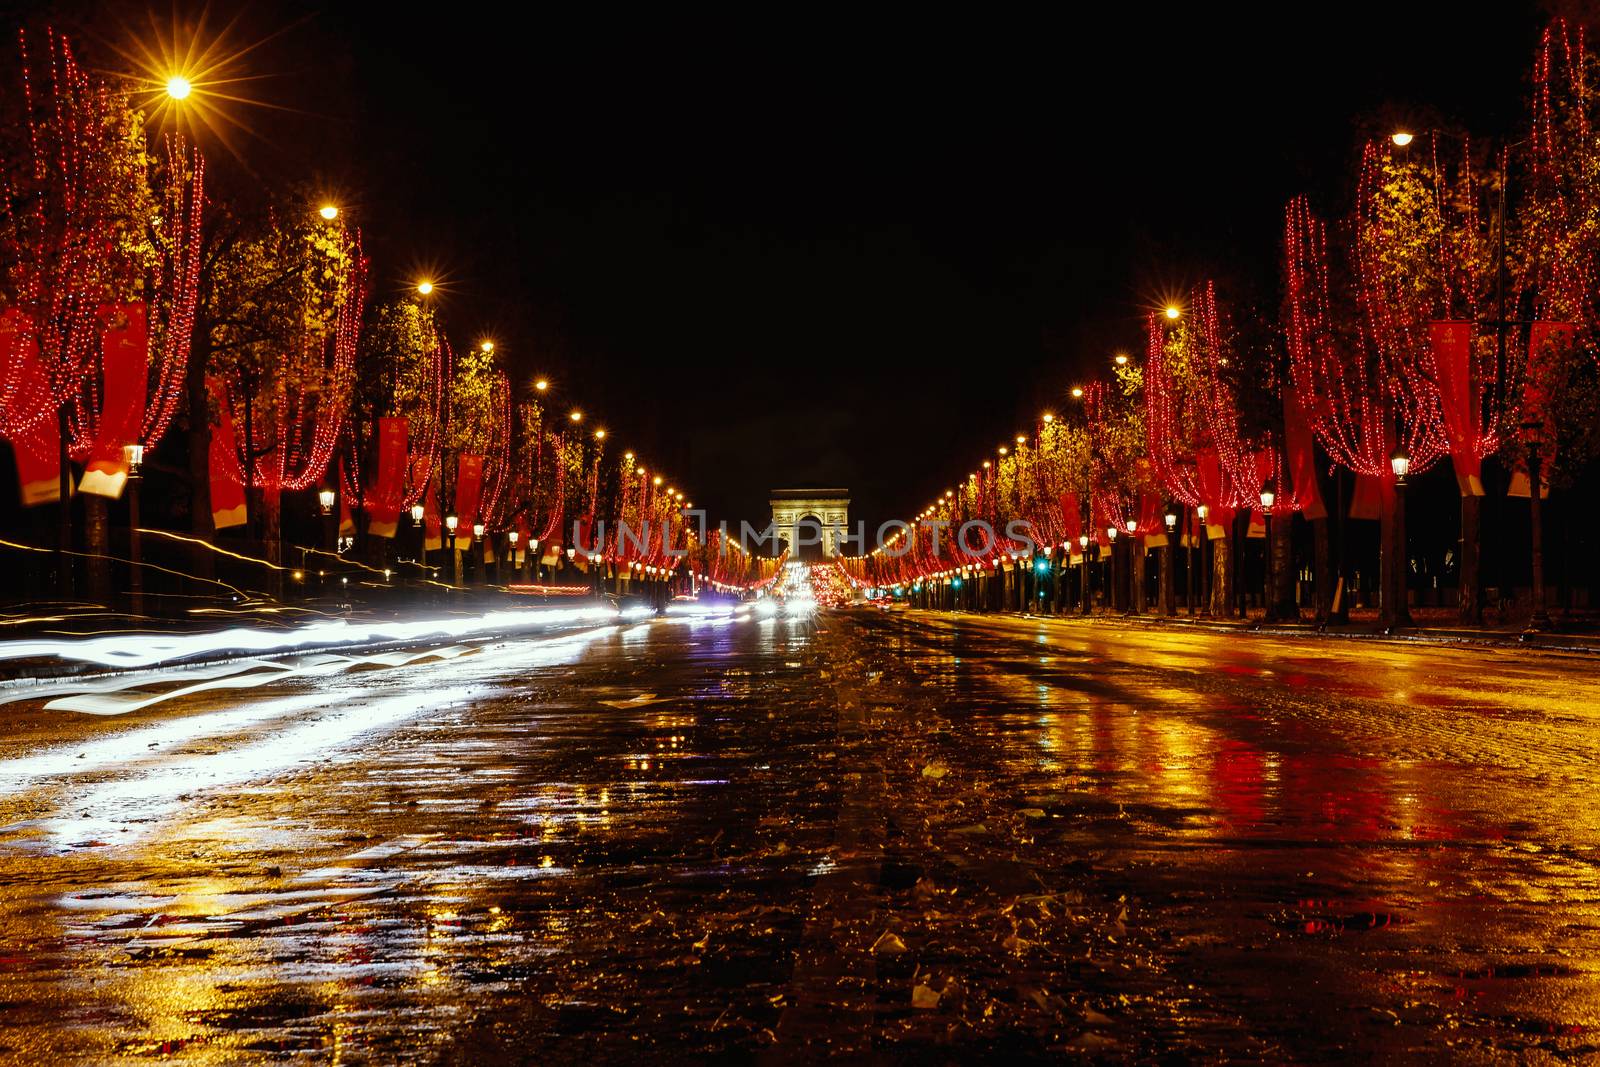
x: 829, y: 507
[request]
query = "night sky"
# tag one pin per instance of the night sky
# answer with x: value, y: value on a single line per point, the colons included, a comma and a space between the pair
x: 811, y: 249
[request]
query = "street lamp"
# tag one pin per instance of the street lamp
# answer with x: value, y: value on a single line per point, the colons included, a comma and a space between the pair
x: 425, y: 287
x: 1401, y: 138
x: 482, y: 551
x: 329, y: 212
x: 1083, y: 575
x: 1205, y: 568
x: 450, y: 524
x: 1268, y: 607
x: 179, y: 87
x: 1168, y: 567
x: 541, y: 385
x: 325, y: 498
x: 1400, y: 467
x: 133, y: 455
x: 422, y: 537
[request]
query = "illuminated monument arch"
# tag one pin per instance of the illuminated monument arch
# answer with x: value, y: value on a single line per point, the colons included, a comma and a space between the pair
x: 820, y: 517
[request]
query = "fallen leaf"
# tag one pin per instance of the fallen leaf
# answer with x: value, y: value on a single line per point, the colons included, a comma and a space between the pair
x: 889, y: 942
x: 936, y: 769
x: 924, y: 997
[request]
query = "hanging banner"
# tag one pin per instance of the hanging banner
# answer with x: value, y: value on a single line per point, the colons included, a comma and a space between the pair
x: 124, y: 361
x: 38, y: 449
x: 1072, y: 517
x: 469, y: 485
x: 388, y: 489
x: 227, y: 480
x: 1451, y: 342
x: 1219, y: 518
x: 1301, y: 446
x: 347, y: 522
x: 1542, y: 337
x: 1366, y: 502
x: 433, y: 537
x: 1152, y: 525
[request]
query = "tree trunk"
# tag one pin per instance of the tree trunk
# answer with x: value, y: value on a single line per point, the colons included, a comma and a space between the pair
x: 1470, y: 592
x: 202, y: 562
x: 1222, y: 576
x: 1283, y: 606
x: 1322, y: 551
x: 97, y: 543
x: 272, y: 536
x: 63, y: 510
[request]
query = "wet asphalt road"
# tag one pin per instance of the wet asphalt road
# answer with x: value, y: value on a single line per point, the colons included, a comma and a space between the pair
x: 871, y: 836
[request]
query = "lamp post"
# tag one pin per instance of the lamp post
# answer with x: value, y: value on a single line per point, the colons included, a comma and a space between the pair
x: 325, y: 500
x: 1112, y: 586
x: 1169, y: 595
x: 1205, y: 570
x: 1268, y: 609
x: 482, y: 562
x: 1083, y: 582
x: 422, y: 537
x: 450, y: 523
x: 134, y: 455
x: 1135, y: 557
x: 1398, y: 613
x: 511, y: 537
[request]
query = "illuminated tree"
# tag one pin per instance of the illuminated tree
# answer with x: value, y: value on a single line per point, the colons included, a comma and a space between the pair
x: 282, y: 308
x: 99, y: 237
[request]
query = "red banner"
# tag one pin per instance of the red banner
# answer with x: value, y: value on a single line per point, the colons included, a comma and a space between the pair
x: 1301, y: 446
x: 469, y: 485
x: 1219, y: 518
x: 1451, y: 342
x: 124, y: 359
x: 38, y: 450
x: 1072, y: 518
x: 1366, y: 502
x: 227, y: 479
x: 1542, y: 336
x: 388, y: 489
x: 433, y: 537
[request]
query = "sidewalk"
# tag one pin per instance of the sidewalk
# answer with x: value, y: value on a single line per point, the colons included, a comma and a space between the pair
x: 1359, y: 629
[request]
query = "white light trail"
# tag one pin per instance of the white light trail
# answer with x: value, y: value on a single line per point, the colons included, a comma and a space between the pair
x: 130, y: 650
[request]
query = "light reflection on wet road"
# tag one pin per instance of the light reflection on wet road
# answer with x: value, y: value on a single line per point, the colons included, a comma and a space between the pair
x: 865, y: 834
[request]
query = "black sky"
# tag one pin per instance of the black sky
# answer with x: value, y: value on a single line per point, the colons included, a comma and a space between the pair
x: 804, y: 247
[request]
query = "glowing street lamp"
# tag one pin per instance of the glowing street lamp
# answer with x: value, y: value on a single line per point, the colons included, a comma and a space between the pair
x: 450, y: 524
x: 179, y: 87
x: 541, y: 385
x: 416, y: 514
x: 599, y: 435
x: 1401, y: 138
x: 1077, y: 392
x: 325, y: 498
x: 576, y: 416
x: 1121, y: 359
x: 424, y: 287
x: 1173, y: 312
x: 487, y: 348
x: 133, y: 455
x: 328, y: 211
